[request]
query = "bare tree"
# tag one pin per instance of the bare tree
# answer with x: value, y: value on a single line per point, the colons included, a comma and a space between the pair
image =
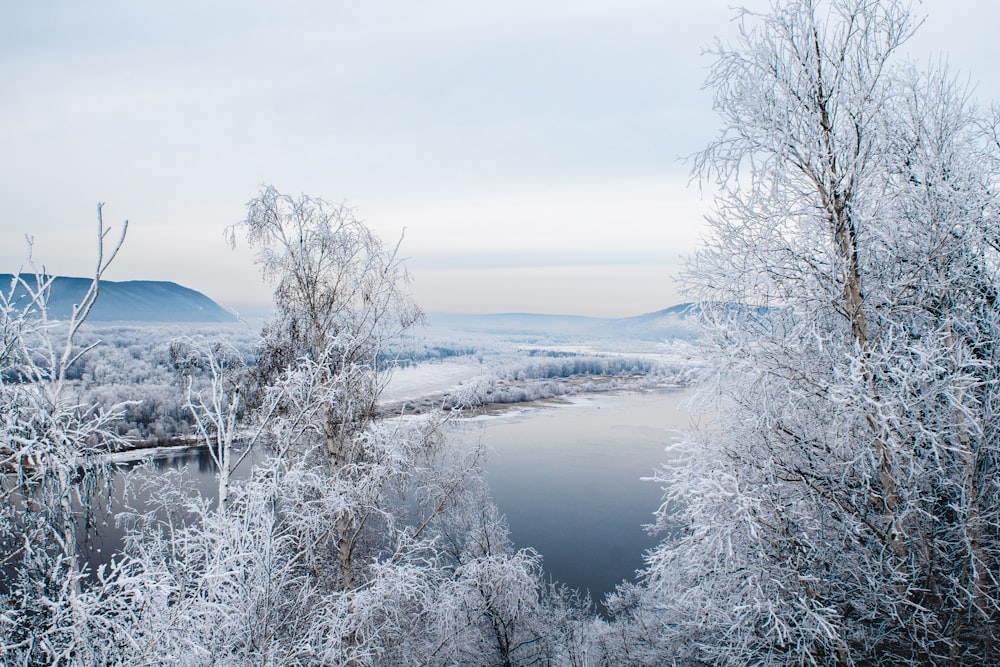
x: 844, y: 508
x: 52, y: 461
x: 216, y: 408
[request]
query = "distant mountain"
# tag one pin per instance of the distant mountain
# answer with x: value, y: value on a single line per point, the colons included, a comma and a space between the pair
x: 518, y: 324
x: 130, y: 300
x: 669, y: 323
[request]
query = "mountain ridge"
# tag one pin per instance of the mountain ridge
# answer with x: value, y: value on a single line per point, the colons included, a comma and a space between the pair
x: 129, y: 300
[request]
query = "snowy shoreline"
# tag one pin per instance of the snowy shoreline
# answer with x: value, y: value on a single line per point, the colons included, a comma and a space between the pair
x: 540, y: 393
x: 488, y: 395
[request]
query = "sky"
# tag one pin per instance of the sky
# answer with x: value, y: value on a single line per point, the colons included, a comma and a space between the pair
x: 530, y: 154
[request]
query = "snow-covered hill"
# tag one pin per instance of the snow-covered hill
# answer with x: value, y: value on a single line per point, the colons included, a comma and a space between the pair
x: 667, y: 324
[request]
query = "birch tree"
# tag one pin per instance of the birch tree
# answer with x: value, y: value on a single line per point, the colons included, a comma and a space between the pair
x: 216, y: 408
x: 365, y: 501
x: 340, y: 297
x: 52, y: 462
x: 844, y: 509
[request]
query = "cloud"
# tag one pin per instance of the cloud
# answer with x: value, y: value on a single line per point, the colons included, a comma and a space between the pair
x: 513, y: 136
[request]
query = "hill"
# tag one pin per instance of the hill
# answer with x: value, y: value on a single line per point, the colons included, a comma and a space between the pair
x: 130, y: 300
x: 666, y: 324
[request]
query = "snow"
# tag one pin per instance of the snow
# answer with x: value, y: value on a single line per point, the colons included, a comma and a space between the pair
x: 430, y: 378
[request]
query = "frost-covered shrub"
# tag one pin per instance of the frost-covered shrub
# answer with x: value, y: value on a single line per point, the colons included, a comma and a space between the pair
x: 137, y: 367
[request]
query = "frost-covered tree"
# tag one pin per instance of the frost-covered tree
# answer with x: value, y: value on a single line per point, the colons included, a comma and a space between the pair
x: 214, y: 584
x: 356, y: 541
x: 340, y: 298
x: 215, y: 409
x: 53, y: 460
x: 844, y: 508
x: 339, y: 548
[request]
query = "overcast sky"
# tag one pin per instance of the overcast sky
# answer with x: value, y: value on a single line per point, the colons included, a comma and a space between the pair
x: 530, y: 149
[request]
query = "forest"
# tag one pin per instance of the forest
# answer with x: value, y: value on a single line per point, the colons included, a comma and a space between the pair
x: 841, y: 508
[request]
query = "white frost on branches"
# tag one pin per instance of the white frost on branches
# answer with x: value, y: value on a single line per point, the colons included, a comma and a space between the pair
x: 845, y: 507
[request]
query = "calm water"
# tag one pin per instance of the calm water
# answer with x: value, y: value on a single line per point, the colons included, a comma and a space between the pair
x: 197, y: 463
x: 566, y: 476
x: 568, y: 479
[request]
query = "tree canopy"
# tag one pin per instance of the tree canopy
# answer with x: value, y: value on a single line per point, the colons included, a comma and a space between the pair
x: 845, y: 508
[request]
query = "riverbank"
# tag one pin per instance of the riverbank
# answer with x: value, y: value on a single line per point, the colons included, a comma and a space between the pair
x: 473, y: 398
x: 490, y: 394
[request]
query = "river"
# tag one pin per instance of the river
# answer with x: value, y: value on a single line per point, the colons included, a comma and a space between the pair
x: 568, y: 479
x: 566, y: 474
